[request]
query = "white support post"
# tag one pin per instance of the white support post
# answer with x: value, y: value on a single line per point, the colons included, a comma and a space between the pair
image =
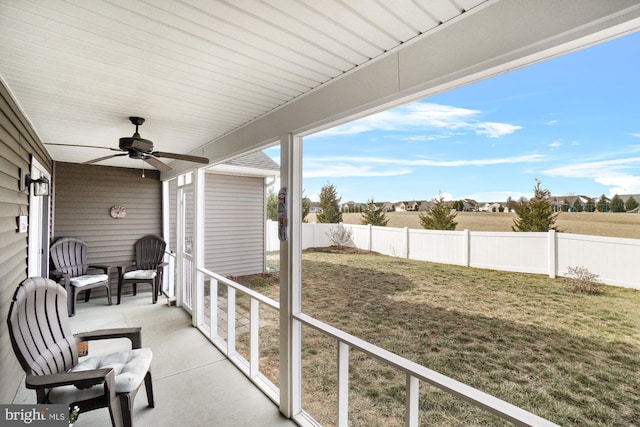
x: 231, y: 321
x: 197, y: 279
x: 466, y: 248
x: 553, y: 254
x: 406, y: 242
x: 254, y: 331
x: 343, y: 385
x: 369, y: 237
x: 291, y: 280
x: 413, y: 401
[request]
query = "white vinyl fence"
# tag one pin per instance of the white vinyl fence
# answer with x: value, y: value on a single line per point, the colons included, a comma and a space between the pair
x: 612, y: 259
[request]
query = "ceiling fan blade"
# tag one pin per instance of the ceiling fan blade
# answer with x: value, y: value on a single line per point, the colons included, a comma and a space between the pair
x: 83, y: 146
x: 99, y: 159
x: 157, y: 163
x: 185, y: 157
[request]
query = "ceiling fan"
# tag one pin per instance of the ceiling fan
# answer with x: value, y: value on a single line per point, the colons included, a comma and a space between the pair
x: 137, y: 147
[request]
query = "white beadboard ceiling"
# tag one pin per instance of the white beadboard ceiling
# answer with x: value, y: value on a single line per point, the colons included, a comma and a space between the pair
x: 195, y: 69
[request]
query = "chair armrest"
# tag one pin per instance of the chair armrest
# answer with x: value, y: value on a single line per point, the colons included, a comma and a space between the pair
x: 81, y: 379
x: 134, y: 334
x: 59, y: 275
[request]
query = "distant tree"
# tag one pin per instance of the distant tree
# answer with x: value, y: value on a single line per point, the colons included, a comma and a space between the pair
x: 306, y: 207
x: 440, y: 217
x: 510, y: 204
x: 590, y: 206
x: 617, y: 204
x: 329, y: 205
x: 630, y: 204
x: 565, y: 205
x: 458, y: 205
x: 500, y: 208
x: 537, y: 214
x: 577, y: 205
x: 374, y: 215
x: 602, y: 204
x: 272, y: 205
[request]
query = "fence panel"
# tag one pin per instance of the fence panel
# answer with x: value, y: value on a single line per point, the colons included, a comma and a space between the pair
x: 518, y: 252
x: 445, y: 247
x: 613, y: 259
x: 389, y: 241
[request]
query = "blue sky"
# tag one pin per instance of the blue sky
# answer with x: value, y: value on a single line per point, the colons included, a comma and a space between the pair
x: 572, y: 122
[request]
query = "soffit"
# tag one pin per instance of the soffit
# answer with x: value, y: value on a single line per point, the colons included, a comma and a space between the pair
x: 195, y: 69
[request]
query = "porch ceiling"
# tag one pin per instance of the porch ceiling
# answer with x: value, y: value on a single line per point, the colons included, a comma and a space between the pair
x: 198, y: 69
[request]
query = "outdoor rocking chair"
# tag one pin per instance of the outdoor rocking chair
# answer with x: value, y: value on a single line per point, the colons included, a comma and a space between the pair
x: 41, y: 337
x: 147, y: 268
x: 69, y: 256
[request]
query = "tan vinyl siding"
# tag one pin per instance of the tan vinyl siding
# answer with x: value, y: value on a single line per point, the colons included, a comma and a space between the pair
x: 18, y: 143
x: 234, y: 224
x: 84, y: 195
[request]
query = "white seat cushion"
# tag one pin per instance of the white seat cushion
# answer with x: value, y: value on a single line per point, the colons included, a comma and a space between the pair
x: 88, y: 279
x: 140, y: 274
x: 130, y: 368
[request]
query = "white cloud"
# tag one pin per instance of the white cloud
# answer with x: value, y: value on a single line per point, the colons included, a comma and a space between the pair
x: 495, y: 130
x: 419, y: 116
x: 612, y: 173
x: 345, y: 166
x: 634, y: 134
x: 555, y: 144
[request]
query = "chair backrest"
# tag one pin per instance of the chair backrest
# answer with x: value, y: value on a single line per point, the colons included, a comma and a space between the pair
x: 69, y: 255
x: 39, y: 327
x: 149, y: 252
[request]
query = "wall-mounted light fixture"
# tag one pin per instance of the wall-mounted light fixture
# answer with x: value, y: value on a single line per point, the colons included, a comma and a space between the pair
x: 40, y: 185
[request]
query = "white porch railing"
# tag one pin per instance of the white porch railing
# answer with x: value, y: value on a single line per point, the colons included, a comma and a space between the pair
x: 414, y: 374
x: 227, y: 344
x: 251, y: 367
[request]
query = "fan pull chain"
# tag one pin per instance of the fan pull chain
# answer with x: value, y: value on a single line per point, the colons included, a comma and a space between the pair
x: 143, y: 168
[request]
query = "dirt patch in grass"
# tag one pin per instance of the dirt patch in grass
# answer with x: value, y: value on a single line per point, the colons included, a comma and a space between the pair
x: 573, y: 359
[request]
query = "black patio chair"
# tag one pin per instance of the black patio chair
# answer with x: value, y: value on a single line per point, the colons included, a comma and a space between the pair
x: 147, y: 268
x: 69, y: 256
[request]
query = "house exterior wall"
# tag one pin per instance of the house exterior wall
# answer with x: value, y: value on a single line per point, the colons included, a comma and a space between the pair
x: 84, y: 195
x: 234, y: 224
x: 18, y: 142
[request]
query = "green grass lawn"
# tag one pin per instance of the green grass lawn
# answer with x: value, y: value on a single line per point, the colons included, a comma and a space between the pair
x: 573, y: 359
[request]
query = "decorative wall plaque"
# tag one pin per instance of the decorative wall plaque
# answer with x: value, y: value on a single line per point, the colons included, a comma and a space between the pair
x: 118, y: 212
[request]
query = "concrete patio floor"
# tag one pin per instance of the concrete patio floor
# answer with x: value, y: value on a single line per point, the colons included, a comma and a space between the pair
x: 194, y: 384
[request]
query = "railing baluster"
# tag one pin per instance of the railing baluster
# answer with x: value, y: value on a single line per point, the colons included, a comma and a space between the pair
x: 254, y: 330
x: 231, y: 321
x: 413, y: 401
x: 343, y: 385
x: 213, y: 308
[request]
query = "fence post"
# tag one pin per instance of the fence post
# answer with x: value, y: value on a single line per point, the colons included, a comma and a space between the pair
x: 466, y: 248
x: 553, y: 254
x: 370, y: 237
x: 406, y: 242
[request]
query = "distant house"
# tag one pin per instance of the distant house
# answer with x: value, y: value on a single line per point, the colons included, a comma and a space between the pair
x: 314, y: 207
x: 425, y: 205
x: 399, y: 207
x: 386, y: 206
x: 411, y: 206
x: 490, y: 207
